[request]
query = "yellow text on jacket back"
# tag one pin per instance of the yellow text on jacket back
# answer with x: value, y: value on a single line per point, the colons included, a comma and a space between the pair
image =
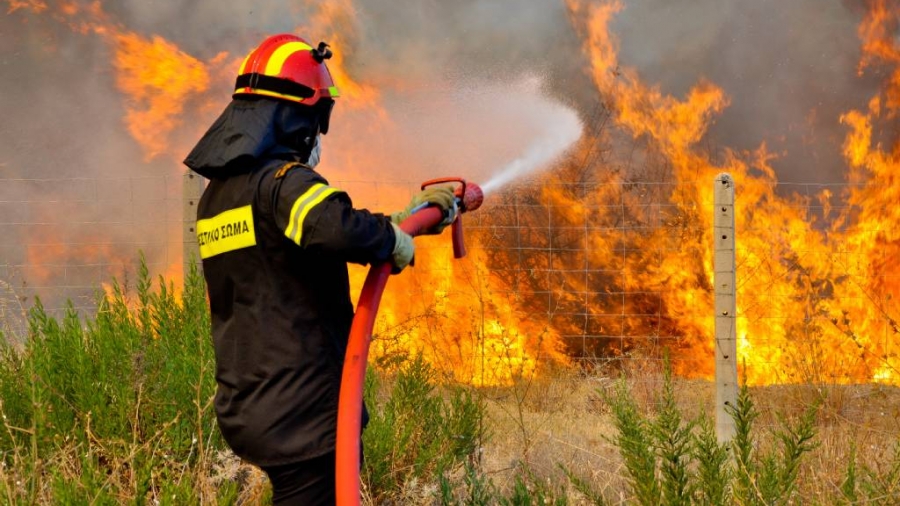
x: 227, y: 231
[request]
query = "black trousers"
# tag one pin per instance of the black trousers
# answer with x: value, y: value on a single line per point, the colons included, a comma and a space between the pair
x: 306, y: 483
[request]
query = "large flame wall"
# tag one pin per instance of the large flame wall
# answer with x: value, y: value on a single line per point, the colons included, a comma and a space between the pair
x: 605, y: 255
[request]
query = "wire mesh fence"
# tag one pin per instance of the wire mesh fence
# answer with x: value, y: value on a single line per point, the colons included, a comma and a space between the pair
x: 61, y: 240
x: 599, y: 273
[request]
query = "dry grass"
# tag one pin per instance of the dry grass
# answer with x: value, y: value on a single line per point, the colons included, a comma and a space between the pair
x: 565, y: 420
x: 546, y: 422
x: 864, y: 419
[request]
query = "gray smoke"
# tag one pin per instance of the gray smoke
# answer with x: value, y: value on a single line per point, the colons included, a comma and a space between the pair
x: 788, y: 67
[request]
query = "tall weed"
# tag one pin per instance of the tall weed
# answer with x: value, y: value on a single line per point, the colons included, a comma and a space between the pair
x: 673, y: 461
x: 114, y: 406
x: 418, y: 431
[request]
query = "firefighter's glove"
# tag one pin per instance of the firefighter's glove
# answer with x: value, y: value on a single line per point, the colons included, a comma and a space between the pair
x: 403, y: 249
x: 441, y: 196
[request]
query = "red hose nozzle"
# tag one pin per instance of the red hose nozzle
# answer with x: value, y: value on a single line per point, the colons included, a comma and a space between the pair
x: 471, y: 195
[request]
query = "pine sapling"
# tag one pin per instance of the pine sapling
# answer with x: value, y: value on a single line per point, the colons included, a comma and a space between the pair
x: 742, y: 447
x: 796, y: 441
x: 849, y: 485
x: 672, y: 437
x: 713, y: 471
x: 635, y: 442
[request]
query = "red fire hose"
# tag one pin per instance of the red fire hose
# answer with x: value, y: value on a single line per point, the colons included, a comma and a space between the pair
x: 468, y: 197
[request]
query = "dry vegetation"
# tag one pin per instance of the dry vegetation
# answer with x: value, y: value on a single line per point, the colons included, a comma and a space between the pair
x: 116, y: 410
x: 542, y: 427
x: 566, y: 420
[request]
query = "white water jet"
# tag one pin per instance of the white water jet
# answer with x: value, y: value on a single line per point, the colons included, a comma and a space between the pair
x: 563, y: 129
x: 492, y: 132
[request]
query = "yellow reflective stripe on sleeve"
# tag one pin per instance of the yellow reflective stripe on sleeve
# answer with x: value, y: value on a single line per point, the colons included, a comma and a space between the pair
x: 334, y: 92
x: 302, y: 206
x: 227, y: 231
x: 280, y: 55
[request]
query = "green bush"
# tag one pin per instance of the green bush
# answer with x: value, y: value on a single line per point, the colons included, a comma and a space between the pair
x: 417, y: 431
x: 114, y: 406
x: 673, y: 461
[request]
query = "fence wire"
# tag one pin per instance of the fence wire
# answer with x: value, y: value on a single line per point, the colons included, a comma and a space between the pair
x: 62, y: 240
x: 612, y: 272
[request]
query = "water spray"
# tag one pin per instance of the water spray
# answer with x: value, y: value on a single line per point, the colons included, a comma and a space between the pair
x: 469, y: 197
x: 562, y: 132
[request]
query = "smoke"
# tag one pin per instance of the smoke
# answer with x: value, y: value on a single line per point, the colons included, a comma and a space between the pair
x: 475, y: 130
x: 788, y: 68
x: 68, y: 98
x: 62, y: 116
x: 450, y: 77
x: 562, y: 128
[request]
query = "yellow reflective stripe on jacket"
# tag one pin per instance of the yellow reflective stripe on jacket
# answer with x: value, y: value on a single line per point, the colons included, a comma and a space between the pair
x: 227, y: 231
x: 280, y: 55
x: 302, y: 206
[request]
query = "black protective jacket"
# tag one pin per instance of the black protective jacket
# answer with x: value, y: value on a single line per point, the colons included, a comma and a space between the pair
x: 275, y: 240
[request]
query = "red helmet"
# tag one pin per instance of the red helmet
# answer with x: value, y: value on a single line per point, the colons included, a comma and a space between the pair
x: 287, y: 67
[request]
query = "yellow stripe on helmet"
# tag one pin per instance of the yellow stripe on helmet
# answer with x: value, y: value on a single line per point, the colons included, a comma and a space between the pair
x: 258, y: 91
x: 243, y: 69
x: 280, y: 55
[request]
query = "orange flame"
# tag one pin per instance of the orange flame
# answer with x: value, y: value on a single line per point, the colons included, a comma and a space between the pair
x: 36, y: 6
x: 338, y: 18
x: 815, y: 301
x: 158, y: 78
x: 491, y: 342
x: 805, y: 313
x: 453, y: 314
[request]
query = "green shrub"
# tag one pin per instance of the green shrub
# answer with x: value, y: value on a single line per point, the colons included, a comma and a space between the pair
x: 117, y: 405
x: 478, y: 489
x: 671, y: 461
x: 713, y: 478
x: 766, y: 478
x: 417, y: 431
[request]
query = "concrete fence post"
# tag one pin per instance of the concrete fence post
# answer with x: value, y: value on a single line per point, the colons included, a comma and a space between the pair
x: 192, y: 189
x: 725, y: 306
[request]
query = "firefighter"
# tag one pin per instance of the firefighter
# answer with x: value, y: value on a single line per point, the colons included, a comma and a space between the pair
x: 275, y: 239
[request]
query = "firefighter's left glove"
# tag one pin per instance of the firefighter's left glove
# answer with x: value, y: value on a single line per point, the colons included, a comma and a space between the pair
x: 404, y: 250
x: 441, y: 196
